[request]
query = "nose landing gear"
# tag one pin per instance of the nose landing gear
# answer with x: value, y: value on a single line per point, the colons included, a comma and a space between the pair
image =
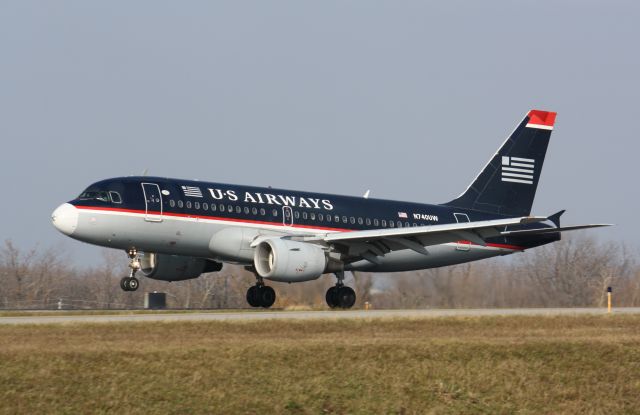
x: 131, y: 283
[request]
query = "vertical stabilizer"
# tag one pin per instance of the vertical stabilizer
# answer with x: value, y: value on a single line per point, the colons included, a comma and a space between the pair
x: 507, y: 185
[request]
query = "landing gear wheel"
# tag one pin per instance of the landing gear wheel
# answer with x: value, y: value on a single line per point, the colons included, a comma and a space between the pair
x: 267, y: 296
x: 131, y: 283
x: 252, y: 296
x: 332, y: 297
x: 346, y: 297
x: 124, y: 283
x: 261, y: 296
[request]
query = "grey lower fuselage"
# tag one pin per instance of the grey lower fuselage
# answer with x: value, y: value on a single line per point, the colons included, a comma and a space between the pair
x: 230, y: 242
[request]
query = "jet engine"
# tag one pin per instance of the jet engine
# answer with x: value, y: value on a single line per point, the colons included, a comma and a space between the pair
x: 289, y: 261
x: 174, y: 267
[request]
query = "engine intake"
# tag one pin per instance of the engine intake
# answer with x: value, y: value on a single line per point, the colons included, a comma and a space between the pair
x: 174, y: 267
x: 289, y: 261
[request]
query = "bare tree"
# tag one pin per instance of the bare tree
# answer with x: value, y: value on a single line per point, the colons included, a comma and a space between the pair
x: 572, y: 272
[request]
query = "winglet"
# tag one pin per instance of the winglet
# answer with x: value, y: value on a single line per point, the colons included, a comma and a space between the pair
x: 555, y: 218
x: 543, y: 120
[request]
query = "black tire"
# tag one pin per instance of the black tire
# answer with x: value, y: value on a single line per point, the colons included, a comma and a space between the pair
x: 267, y: 296
x: 133, y: 284
x: 332, y: 297
x: 124, y: 284
x: 252, y: 296
x: 346, y: 297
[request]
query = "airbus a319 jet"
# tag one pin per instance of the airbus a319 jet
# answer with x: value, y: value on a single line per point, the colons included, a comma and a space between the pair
x: 174, y: 230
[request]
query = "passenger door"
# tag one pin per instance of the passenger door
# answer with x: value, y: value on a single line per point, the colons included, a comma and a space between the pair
x: 153, y: 202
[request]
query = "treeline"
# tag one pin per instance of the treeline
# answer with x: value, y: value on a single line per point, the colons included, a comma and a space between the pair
x: 572, y: 273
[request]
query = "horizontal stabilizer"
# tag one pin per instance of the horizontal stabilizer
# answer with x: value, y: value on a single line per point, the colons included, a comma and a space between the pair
x: 541, y: 231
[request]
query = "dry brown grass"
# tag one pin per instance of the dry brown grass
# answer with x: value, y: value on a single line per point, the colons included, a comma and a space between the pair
x: 582, y: 364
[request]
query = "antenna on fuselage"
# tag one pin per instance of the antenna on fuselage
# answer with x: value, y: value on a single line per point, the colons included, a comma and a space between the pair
x: 144, y: 173
x: 366, y: 194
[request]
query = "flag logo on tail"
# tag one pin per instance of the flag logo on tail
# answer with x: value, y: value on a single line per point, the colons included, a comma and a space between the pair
x: 517, y: 170
x: 192, y: 191
x: 402, y: 215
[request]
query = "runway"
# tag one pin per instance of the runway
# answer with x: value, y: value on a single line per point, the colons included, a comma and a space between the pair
x: 300, y: 315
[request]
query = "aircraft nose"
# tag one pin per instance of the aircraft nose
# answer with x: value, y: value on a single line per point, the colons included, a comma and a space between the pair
x: 65, y: 218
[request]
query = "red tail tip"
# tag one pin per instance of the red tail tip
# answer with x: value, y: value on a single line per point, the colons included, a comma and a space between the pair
x: 539, y: 117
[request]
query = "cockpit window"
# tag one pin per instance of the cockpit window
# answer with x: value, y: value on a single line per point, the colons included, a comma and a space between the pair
x: 95, y: 195
x: 115, y: 197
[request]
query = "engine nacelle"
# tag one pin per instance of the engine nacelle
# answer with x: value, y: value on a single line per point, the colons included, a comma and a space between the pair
x: 174, y: 267
x: 289, y: 261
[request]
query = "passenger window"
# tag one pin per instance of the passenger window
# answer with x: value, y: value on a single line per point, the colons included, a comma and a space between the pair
x: 344, y: 219
x: 196, y: 205
x: 320, y: 217
x: 384, y: 223
x: 391, y: 224
x: 407, y: 224
x: 313, y: 216
x: 180, y: 204
x: 296, y: 214
x: 229, y: 208
x: 254, y: 210
x: 275, y: 213
x: 376, y: 222
x: 360, y: 221
x: 399, y: 224
x: 415, y: 225
x: 262, y: 212
x: 213, y: 207
x: 172, y: 203
x: 336, y: 218
x: 221, y: 207
x: 368, y: 221
x: 238, y: 209
x: 188, y: 204
x: 205, y: 206
x: 115, y: 197
x: 304, y: 215
x: 246, y: 210
x: 328, y: 218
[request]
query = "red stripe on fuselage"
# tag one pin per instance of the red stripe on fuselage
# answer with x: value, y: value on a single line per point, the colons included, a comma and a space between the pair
x: 259, y: 222
x: 186, y: 215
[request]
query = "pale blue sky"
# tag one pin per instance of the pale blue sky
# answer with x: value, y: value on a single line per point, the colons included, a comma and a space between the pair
x: 406, y: 98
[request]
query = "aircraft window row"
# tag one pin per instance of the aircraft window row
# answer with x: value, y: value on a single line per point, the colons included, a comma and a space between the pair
x: 220, y: 207
x: 296, y: 214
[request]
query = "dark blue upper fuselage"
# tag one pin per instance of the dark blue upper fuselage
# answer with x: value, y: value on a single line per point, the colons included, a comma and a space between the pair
x: 165, y: 196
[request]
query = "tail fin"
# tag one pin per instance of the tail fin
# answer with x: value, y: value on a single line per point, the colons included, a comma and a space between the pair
x: 508, y: 183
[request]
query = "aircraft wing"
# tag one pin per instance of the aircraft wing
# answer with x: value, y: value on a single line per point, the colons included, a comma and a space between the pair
x: 552, y: 230
x: 376, y: 242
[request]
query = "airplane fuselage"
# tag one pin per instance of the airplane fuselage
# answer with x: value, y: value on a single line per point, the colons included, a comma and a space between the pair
x: 219, y: 221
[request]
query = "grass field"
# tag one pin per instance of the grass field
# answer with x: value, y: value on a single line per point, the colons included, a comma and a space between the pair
x: 570, y: 364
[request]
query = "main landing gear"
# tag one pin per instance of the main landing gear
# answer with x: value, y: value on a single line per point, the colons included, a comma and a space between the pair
x: 261, y: 295
x: 340, y: 295
x: 131, y: 283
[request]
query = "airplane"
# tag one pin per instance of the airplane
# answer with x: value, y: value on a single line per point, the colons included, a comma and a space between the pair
x: 175, y: 230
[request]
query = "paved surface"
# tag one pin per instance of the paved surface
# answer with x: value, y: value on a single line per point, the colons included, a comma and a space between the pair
x: 303, y: 315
